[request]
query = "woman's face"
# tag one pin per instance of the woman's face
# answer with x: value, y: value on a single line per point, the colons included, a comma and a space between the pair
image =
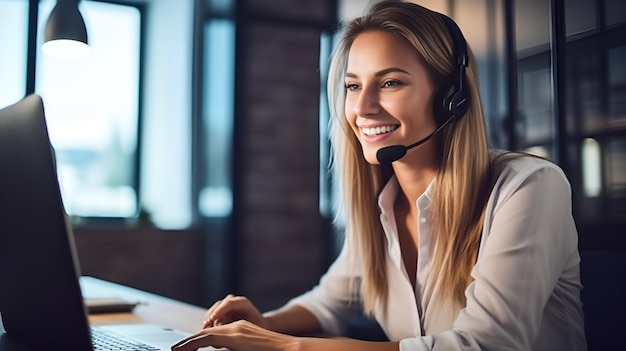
x: 388, y: 93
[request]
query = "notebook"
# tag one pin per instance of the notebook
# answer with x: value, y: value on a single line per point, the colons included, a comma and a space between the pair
x: 41, y: 302
x: 99, y: 301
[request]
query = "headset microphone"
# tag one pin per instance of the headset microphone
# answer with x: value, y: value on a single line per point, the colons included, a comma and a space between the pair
x: 393, y: 153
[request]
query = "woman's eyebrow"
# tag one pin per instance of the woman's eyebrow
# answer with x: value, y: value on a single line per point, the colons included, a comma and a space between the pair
x: 382, y: 72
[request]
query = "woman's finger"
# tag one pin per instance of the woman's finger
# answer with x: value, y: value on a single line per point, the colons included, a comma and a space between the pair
x: 208, y: 321
x: 234, y: 308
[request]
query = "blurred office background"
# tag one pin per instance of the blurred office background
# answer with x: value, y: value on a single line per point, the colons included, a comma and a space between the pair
x: 191, y: 143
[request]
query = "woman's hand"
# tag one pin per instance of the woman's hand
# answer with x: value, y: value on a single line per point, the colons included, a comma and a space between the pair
x: 231, y: 309
x: 241, y: 335
x: 245, y: 336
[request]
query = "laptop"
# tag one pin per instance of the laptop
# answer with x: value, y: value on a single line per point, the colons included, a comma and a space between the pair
x: 41, y: 302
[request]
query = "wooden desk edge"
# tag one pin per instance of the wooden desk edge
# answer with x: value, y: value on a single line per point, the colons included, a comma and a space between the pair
x: 153, y: 308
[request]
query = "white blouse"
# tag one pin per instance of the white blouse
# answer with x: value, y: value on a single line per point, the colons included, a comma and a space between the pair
x: 525, y: 293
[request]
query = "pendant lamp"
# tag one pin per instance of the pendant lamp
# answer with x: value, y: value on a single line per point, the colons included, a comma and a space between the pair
x: 65, y: 32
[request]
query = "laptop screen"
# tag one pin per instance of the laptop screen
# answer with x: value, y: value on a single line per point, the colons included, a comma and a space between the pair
x: 40, y: 299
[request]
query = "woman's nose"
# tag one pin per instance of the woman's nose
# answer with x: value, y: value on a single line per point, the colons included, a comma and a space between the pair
x: 367, y: 103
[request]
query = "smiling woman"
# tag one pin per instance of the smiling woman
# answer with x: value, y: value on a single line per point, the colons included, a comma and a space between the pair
x: 440, y: 243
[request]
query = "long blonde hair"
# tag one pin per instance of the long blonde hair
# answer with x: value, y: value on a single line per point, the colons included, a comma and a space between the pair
x: 462, y: 183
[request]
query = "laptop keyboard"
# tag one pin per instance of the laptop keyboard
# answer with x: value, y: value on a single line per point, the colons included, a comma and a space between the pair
x: 106, y: 341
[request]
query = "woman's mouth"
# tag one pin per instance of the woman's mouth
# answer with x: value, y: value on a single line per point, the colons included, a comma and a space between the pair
x: 379, y: 130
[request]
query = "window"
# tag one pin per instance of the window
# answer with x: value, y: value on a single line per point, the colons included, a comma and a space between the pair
x: 94, y: 105
x: 327, y: 196
x: 216, y: 197
x: 14, y: 39
x: 92, y: 108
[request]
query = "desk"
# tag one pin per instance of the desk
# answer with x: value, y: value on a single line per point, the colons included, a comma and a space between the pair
x: 153, y: 309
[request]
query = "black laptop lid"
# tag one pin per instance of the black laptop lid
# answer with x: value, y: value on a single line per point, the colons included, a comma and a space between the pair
x: 40, y: 298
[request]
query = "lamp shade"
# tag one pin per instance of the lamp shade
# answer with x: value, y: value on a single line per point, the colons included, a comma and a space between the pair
x: 65, y: 33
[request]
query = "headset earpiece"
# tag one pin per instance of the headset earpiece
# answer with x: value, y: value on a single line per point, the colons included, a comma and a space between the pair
x: 441, y: 103
x: 451, y: 99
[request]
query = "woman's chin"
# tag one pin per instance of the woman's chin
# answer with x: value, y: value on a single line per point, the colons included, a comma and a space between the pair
x: 370, y: 156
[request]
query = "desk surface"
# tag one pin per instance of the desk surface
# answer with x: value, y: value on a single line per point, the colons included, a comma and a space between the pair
x: 152, y: 309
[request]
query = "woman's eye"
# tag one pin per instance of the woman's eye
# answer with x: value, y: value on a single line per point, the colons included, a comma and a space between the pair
x: 352, y: 86
x: 390, y: 83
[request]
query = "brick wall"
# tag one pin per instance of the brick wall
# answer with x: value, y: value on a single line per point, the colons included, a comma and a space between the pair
x: 281, y: 237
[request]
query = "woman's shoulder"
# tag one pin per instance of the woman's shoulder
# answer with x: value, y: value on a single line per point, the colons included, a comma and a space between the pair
x: 509, y: 166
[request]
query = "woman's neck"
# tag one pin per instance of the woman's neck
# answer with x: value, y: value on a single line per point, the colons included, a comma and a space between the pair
x: 414, y: 177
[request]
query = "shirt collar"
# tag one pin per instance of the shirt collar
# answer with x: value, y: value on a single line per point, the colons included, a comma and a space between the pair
x: 388, y: 196
x: 390, y: 191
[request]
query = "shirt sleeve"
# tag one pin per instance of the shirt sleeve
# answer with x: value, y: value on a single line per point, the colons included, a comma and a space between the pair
x: 529, y: 240
x: 335, y: 299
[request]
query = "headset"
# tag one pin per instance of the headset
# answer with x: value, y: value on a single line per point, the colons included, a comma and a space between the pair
x: 451, y: 100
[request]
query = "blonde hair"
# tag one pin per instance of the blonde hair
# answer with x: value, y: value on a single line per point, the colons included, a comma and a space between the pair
x: 462, y: 183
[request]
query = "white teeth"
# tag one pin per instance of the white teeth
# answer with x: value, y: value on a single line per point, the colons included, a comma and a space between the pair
x: 378, y: 130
